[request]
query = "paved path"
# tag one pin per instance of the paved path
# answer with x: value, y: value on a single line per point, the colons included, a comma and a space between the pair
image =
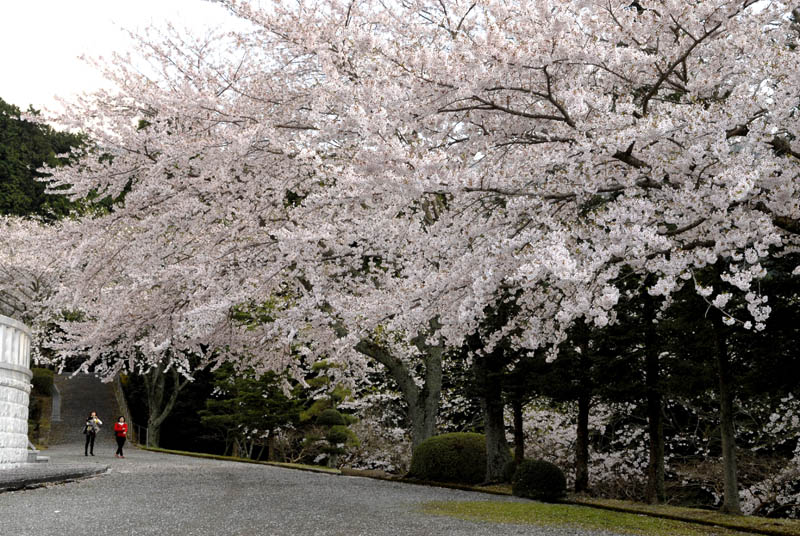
x: 157, y: 494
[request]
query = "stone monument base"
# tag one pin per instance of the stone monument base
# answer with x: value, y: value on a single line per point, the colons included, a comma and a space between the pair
x: 15, y: 390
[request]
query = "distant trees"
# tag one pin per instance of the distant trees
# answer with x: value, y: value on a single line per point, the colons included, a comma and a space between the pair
x: 25, y: 147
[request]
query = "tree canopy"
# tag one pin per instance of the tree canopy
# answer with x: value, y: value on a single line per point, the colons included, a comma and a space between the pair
x: 25, y: 147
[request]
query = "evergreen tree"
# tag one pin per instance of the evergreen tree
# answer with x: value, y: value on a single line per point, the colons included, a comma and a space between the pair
x: 26, y: 146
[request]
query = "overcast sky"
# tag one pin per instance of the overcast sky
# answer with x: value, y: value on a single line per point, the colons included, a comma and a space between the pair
x: 41, y: 40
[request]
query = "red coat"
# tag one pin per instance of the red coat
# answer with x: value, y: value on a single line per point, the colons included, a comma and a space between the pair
x: 121, y: 429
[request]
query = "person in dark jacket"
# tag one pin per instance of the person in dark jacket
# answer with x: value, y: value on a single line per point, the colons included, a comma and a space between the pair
x: 121, y: 434
x: 90, y: 429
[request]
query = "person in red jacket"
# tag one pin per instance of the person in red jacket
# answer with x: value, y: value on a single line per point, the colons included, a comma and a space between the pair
x: 121, y: 434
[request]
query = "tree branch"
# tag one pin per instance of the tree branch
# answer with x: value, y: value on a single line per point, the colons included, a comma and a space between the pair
x: 653, y: 90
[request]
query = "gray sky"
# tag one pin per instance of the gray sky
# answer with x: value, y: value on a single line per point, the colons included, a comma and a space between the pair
x: 41, y: 40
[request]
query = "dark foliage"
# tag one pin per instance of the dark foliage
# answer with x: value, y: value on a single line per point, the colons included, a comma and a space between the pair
x: 25, y: 147
x: 42, y: 382
x: 330, y: 417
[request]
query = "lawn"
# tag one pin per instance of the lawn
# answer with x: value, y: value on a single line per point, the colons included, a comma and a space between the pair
x: 562, y: 515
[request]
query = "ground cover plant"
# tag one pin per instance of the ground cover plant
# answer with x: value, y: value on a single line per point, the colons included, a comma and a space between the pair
x: 548, y: 515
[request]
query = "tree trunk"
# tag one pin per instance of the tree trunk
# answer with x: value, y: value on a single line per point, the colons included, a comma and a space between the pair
x: 489, y: 376
x: 654, y: 492
x: 158, y: 410
x: 519, y: 434
x: 426, y: 406
x: 584, y: 404
x: 582, y: 442
x: 730, y: 504
x: 422, y: 402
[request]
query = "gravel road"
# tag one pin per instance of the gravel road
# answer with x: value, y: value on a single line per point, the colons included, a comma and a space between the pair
x: 165, y: 495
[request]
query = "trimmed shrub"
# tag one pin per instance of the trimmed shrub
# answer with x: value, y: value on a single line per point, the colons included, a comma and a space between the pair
x: 457, y: 457
x: 539, y: 480
x: 42, y: 381
x: 330, y: 417
x: 339, y: 435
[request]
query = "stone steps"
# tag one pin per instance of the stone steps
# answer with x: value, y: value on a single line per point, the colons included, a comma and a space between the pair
x: 79, y: 395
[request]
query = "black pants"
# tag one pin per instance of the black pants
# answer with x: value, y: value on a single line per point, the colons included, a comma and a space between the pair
x: 120, y: 442
x: 89, y: 447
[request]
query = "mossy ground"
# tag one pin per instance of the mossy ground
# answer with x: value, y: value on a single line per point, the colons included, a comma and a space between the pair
x: 562, y: 515
x: 753, y: 524
x: 743, y: 524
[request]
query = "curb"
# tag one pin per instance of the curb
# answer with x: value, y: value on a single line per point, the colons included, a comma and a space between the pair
x: 60, y: 478
x: 239, y: 460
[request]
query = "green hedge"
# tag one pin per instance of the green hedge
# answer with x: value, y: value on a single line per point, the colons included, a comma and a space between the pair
x: 457, y: 457
x: 539, y: 480
x: 42, y: 381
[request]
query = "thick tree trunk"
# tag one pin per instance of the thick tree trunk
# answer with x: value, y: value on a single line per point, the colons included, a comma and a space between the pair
x: 519, y: 434
x: 654, y: 492
x: 153, y: 433
x: 489, y: 376
x: 426, y: 408
x: 497, y: 451
x: 158, y: 410
x: 730, y: 504
x: 582, y: 442
x: 422, y: 402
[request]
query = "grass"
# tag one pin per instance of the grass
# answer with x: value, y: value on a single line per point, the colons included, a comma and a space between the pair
x: 562, y: 515
x: 300, y: 466
x: 694, y: 516
x: 753, y: 524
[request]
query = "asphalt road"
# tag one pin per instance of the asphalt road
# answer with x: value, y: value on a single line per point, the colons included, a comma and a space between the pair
x: 165, y: 495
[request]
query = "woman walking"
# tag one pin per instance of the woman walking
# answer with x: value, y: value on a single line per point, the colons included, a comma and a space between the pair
x: 121, y: 433
x: 90, y: 429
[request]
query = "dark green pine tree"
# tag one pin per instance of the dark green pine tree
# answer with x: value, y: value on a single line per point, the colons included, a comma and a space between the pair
x: 247, y: 407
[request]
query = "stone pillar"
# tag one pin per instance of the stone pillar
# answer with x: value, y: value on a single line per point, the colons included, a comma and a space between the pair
x: 15, y: 390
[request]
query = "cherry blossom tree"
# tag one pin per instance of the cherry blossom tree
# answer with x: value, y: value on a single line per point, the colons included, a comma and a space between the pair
x: 554, y: 143
x: 602, y: 134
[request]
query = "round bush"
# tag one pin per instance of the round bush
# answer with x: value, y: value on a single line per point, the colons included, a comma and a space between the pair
x: 539, y: 480
x: 456, y: 457
x: 330, y: 417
